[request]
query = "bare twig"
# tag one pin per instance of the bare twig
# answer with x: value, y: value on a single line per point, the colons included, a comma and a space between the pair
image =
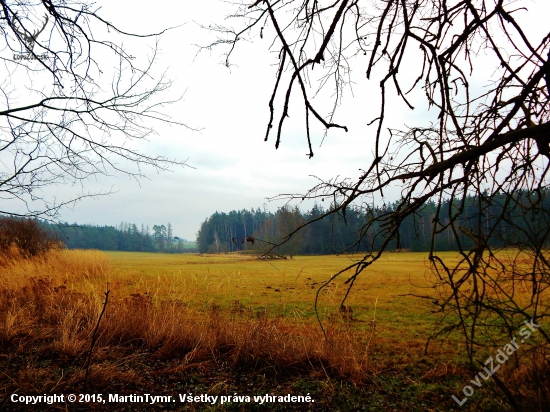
x: 94, y: 337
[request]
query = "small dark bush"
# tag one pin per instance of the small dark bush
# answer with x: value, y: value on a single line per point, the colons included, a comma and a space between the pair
x: 27, y: 236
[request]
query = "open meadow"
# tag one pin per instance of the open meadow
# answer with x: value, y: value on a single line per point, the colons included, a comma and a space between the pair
x: 230, y: 324
x: 286, y: 289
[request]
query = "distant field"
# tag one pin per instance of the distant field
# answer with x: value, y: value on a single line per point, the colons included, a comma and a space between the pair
x: 287, y: 288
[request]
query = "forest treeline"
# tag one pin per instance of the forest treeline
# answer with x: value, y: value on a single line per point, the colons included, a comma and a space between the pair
x: 125, y: 237
x: 517, y: 219
x: 520, y: 220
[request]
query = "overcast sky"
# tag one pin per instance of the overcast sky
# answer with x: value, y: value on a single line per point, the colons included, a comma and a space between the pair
x: 233, y: 167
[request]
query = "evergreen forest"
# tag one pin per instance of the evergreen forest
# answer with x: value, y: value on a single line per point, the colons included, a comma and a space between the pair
x: 125, y: 237
x: 501, y: 221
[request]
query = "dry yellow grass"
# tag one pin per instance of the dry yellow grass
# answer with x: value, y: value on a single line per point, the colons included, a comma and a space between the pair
x: 56, y: 300
x: 158, y: 300
x: 191, y: 310
x: 287, y: 288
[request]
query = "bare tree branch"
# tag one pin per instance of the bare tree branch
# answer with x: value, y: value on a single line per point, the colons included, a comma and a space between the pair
x: 70, y: 125
x: 482, y: 150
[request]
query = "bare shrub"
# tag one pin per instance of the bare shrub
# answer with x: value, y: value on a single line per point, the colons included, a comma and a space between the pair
x: 25, y: 238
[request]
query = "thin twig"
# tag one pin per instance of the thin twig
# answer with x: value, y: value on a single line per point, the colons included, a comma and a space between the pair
x: 94, y: 337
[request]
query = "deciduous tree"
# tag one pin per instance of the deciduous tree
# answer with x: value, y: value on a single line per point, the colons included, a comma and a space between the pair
x: 72, y: 102
x: 485, y: 77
